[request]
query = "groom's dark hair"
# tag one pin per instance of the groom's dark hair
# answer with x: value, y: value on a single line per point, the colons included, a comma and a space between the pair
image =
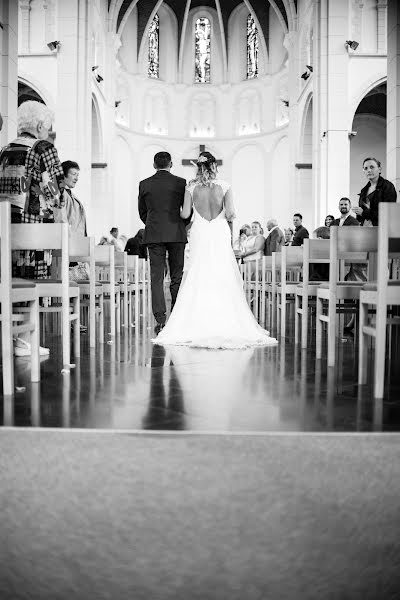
x: 162, y: 160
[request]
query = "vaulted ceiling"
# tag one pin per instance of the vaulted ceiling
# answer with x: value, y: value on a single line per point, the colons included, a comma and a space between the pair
x: 119, y: 11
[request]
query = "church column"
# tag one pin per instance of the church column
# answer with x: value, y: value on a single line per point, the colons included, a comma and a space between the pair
x: 393, y: 94
x: 291, y: 45
x: 25, y: 8
x: 331, y: 135
x: 382, y: 33
x: 8, y: 69
x: 73, y: 102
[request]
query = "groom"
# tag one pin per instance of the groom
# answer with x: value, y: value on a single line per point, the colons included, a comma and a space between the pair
x: 160, y: 199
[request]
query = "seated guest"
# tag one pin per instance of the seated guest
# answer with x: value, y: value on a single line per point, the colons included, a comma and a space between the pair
x: 345, y: 214
x: 73, y: 211
x: 300, y: 232
x: 116, y: 240
x: 275, y: 238
x: 288, y: 236
x: 134, y: 246
x: 329, y: 220
x: 254, y: 245
x: 321, y: 233
x: 239, y: 244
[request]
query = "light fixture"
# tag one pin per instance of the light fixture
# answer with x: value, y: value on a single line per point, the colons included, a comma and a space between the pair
x: 351, y: 134
x: 54, y: 45
x: 99, y: 78
x: 285, y: 102
x: 94, y: 68
x: 309, y: 67
x: 305, y: 75
x: 351, y: 44
x: 117, y: 103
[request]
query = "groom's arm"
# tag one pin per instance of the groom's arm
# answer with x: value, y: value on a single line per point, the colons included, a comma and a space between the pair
x: 142, y: 205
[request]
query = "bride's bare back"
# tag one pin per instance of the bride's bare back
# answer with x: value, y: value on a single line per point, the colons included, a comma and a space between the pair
x: 208, y: 200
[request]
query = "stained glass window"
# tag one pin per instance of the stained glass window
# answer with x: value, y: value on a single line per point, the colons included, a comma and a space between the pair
x: 154, y: 46
x: 252, y: 48
x: 202, y: 51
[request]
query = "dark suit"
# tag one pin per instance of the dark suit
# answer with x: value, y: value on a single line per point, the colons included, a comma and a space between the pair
x: 274, y: 242
x: 349, y: 221
x: 160, y: 200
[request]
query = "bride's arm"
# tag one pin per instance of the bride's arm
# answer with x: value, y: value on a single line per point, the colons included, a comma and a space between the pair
x: 229, y: 207
x: 187, y: 205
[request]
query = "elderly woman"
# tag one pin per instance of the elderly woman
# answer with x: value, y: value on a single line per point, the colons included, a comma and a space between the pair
x: 44, y: 179
x: 377, y: 190
x: 289, y: 232
x: 44, y: 186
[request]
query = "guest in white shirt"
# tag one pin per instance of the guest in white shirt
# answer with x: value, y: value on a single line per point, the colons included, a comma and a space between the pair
x: 346, y: 218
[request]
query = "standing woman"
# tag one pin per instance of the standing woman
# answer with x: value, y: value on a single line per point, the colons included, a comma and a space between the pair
x: 377, y: 190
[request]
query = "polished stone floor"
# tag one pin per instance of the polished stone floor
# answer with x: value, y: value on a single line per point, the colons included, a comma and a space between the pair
x: 133, y: 384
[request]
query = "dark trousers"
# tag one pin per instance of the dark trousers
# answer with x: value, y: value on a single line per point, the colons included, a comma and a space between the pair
x: 157, y: 254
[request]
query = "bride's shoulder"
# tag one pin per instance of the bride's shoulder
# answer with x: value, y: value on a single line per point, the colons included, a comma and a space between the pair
x: 225, y: 185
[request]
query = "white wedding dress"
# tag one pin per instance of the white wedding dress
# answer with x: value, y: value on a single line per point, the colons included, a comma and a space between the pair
x: 211, y: 310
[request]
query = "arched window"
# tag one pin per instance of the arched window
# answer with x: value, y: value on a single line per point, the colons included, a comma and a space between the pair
x: 202, y: 51
x: 154, y: 47
x: 252, y: 48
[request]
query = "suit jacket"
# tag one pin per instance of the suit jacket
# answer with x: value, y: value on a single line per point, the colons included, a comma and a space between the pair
x: 299, y: 235
x: 160, y: 199
x: 385, y: 192
x: 349, y: 220
x: 274, y: 242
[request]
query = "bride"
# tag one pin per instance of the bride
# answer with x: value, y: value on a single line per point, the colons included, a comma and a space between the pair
x: 211, y: 309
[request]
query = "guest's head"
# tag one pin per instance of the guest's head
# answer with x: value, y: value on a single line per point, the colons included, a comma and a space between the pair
x: 329, y: 220
x: 271, y: 224
x: 289, y: 234
x: 372, y: 168
x: 256, y: 228
x: 246, y: 229
x: 71, y: 172
x: 35, y: 118
x: 162, y: 160
x: 297, y: 219
x: 344, y: 206
x: 114, y: 232
x: 207, y: 168
x: 322, y: 233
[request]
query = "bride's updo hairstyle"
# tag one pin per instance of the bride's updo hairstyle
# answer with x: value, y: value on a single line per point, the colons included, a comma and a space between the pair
x: 206, y: 169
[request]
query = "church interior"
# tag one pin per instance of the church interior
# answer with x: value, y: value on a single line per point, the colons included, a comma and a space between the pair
x: 130, y: 469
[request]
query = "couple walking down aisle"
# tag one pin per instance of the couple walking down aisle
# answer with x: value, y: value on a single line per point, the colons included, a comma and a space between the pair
x: 209, y: 308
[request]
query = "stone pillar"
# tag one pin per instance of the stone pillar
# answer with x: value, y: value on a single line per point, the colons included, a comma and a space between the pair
x: 73, y: 101
x: 331, y: 171
x: 393, y: 95
x: 8, y: 69
x: 382, y: 30
x: 23, y: 26
x: 291, y: 42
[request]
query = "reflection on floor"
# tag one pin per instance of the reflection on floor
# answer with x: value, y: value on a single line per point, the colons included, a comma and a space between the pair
x: 133, y: 384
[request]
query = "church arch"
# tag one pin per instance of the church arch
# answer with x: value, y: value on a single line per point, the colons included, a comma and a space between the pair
x: 201, y: 115
x: 369, y: 124
x: 168, y: 45
x: 31, y: 89
x: 155, y: 112
x: 248, y: 117
x: 237, y: 44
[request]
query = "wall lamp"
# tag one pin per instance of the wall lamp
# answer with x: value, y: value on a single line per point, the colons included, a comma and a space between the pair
x: 56, y: 45
x: 99, y: 78
x: 305, y: 75
x: 351, y: 44
x: 117, y: 103
x: 285, y: 102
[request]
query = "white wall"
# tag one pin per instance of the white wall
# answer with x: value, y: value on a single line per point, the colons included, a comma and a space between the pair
x: 369, y: 141
x: 248, y: 173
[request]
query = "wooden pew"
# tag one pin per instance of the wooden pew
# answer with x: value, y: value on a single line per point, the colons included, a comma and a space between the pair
x: 381, y: 294
x: 53, y: 236
x: 346, y: 244
x: 13, y: 291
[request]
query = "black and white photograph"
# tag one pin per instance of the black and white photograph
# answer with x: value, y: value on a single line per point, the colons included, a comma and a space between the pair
x: 200, y: 299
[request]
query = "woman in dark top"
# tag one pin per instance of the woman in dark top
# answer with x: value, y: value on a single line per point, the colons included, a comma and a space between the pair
x: 377, y: 190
